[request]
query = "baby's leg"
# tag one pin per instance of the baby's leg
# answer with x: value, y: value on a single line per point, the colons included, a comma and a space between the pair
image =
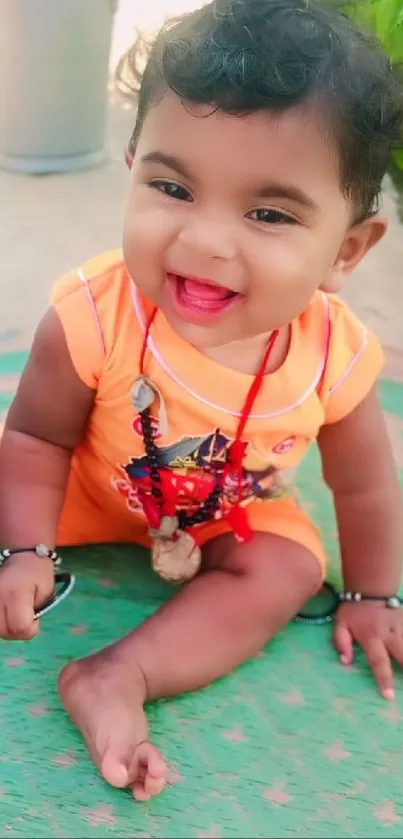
x: 245, y: 594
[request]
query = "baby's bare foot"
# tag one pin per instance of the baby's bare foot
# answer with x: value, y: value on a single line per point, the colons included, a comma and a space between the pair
x: 104, y: 697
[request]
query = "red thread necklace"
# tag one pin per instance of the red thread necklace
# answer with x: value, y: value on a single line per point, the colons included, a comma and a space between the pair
x: 168, y: 524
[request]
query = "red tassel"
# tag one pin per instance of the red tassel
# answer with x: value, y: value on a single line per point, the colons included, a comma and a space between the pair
x: 151, y: 510
x: 169, y: 501
x: 238, y: 521
x: 236, y: 453
x: 237, y: 517
x: 236, y: 514
x: 168, y: 508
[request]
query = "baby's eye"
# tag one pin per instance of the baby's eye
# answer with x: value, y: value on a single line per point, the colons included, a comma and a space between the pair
x: 267, y: 216
x: 172, y: 189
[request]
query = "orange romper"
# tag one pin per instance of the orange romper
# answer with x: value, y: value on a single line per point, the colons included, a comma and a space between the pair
x: 331, y: 365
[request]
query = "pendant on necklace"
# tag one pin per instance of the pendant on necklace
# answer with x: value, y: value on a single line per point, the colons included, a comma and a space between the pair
x: 175, y: 555
x: 143, y: 394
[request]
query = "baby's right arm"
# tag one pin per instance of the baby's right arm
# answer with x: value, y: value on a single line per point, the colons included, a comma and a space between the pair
x: 46, y: 421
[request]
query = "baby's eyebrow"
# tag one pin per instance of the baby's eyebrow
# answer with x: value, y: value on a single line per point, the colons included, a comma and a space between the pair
x: 268, y: 191
x: 292, y: 193
x: 168, y: 160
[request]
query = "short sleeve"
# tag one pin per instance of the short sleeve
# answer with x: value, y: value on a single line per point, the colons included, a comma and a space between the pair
x: 73, y: 302
x: 353, y: 363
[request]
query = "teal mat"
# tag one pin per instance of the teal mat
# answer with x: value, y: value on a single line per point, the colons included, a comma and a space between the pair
x: 292, y: 744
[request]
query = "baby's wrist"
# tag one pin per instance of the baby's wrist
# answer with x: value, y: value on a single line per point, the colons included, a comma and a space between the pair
x: 40, y: 551
x: 390, y: 600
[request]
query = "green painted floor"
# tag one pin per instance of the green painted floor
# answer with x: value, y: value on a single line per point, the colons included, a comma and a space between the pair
x: 290, y: 745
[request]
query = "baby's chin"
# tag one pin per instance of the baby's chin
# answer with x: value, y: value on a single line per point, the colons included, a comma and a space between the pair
x: 202, y: 337
x: 228, y: 328
x: 207, y: 338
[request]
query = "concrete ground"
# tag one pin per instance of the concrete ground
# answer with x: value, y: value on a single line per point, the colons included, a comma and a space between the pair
x: 50, y: 224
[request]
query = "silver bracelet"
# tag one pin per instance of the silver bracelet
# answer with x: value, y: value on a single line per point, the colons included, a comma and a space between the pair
x: 40, y: 550
x: 64, y: 582
x: 392, y: 601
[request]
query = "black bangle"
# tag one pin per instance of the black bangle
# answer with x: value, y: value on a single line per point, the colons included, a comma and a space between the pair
x: 392, y: 601
x: 318, y: 618
x: 326, y: 615
x: 40, y: 550
x: 64, y: 583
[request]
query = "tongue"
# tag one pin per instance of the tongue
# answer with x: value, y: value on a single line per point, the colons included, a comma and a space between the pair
x: 202, y: 291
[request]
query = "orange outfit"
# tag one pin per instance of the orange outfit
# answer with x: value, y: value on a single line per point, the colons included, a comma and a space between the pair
x: 331, y: 365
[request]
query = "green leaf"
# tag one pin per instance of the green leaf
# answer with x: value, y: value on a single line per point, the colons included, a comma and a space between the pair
x: 365, y: 13
x: 395, y: 45
x: 384, y: 17
x: 398, y: 158
x: 387, y: 15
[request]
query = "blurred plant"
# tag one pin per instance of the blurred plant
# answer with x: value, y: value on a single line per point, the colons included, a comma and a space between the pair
x: 385, y: 18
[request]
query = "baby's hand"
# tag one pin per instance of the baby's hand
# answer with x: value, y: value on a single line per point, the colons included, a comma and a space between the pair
x: 26, y: 582
x: 379, y: 632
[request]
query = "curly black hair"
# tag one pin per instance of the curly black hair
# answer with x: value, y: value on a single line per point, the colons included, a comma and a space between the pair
x: 243, y: 56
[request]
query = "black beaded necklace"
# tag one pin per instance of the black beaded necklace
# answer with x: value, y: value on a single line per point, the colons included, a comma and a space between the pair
x: 169, y: 524
x: 207, y: 508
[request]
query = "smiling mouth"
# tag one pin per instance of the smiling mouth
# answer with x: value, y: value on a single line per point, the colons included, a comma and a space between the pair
x: 200, y: 297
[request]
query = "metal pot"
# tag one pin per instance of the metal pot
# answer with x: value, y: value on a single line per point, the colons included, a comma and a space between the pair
x: 54, y: 61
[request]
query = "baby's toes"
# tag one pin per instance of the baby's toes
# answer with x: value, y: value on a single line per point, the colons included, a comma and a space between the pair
x: 153, y: 786
x: 147, y: 788
x: 150, y: 772
x: 114, y: 768
x: 139, y: 793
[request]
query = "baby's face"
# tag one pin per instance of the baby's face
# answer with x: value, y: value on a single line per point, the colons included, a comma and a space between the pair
x: 233, y: 222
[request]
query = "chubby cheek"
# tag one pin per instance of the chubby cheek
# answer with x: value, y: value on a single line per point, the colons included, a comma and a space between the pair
x: 285, y: 277
x: 144, y: 244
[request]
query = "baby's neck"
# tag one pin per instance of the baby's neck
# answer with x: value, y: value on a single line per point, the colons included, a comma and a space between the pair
x: 245, y: 356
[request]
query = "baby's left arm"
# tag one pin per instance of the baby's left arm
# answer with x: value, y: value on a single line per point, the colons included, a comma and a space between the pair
x: 359, y: 469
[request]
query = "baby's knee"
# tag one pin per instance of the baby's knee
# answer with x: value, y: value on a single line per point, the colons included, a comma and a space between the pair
x: 268, y: 559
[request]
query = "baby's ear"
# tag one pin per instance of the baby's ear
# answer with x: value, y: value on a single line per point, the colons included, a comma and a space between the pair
x: 358, y: 241
x: 128, y: 158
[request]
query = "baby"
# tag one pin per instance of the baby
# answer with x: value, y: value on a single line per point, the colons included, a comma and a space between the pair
x: 172, y: 388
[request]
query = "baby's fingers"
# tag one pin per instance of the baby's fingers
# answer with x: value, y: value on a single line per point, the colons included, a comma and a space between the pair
x: 21, y: 622
x: 395, y: 648
x: 343, y: 643
x: 381, y: 666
